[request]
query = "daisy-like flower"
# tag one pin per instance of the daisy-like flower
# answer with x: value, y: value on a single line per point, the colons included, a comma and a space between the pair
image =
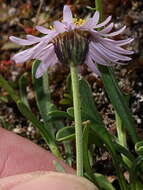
x: 76, y: 41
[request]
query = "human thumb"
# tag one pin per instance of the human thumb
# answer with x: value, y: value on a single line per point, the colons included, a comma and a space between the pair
x: 46, y: 181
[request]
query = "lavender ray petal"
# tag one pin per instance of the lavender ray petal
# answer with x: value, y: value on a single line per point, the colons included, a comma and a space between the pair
x: 124, y: 42
x: 45, y: 64
x: 69, y: 27
x: 96, y: 56
x: 109, y: 62
x: 90, y: 22
x: 67, y: 15
x: 120, y: 42
x: 33, y: 38
x: 115, y: 48
x: 96, y: 35
x: 49, y: 58
x: 87, y: 25
x: 49, y: 37
x: 59, y: 27
x: 40, y: 71
x: 115, y: 33
x: 43, y: 30
x: 21, y: 41
x: 95, y: 18
x: 44, y: 52
x: 110, y: 59
x: 104, y: 22
x: 22, y: 56
x: 92, y: 66
x: 117, y: 56
x: 102, y: 51
x: 107, y: 29
x: 27, y: 54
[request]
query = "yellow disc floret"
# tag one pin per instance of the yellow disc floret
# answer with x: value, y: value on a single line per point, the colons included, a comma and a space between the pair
x: 78, y: 21
x: 51, y: 27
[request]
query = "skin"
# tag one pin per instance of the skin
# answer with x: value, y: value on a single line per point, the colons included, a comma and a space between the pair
x: 24, y: 165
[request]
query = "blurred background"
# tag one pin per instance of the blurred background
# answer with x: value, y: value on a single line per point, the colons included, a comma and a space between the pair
x: 19, y: 17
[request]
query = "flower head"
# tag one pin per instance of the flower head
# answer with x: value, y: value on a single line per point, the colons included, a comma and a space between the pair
x: 79, y: 42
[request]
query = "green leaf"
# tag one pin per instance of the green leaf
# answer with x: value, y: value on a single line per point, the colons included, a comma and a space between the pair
x: 23, y: 83
x: 26, y: 112
x: 84, y: 116
x: 122, y: 150
x: 43, y: 99
x: 4, y: 84
x: 68, y: 153
x: 66, y: 133
x: 100, y: 130
x: 42, y: 129
x: 118, y: 100
x: 5, y: 124
x: 59, y: 167
x: 103, y: 182
x: 67, y: 100
x: 86, y: 162
x: 48, y: 110
x: 4, y: 99
x: 94, y: 138
x: 90, y: 112
x: 98, y: 179
x: 41, y: 88
x: 88, y: 107
x: 136, y: 173
x: 70, y: 112
x: 139, y: 147
x: 58, y: 115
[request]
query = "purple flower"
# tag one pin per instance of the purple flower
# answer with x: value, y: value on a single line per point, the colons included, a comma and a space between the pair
x: 74, y: 40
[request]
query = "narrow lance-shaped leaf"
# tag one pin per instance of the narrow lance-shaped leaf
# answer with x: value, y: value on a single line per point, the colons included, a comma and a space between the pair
x: 118, y: 101
x: 44, y: 132
x: 23, y: 83
x: 96, y: 178
x: 122, y: 181
x: 87, y: 103
x: 4, y: 84
x: 30, y: 116
x: 45, y: 105
x: 100, y: 130
x: 66, y: 133
x: 43, y: 99
x: 116, y: 97
x: 41, y: 88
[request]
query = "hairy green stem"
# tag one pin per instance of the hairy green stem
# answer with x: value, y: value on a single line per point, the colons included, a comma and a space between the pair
x: 77, y: 117
x: 98, y: 4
